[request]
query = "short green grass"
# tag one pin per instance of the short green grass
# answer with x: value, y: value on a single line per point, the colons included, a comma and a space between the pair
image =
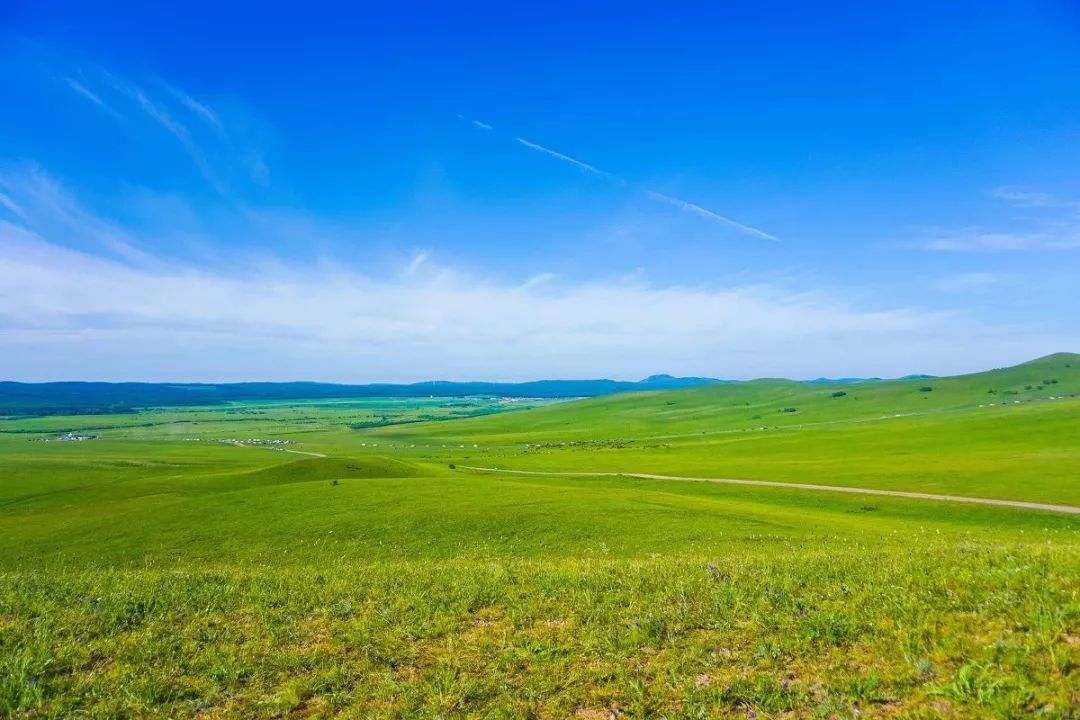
x: 159, y: 572
x: 960, y: 438
x: 841, y: 630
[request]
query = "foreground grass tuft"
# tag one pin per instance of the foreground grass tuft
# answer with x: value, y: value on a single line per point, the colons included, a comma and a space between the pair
x: 976, y: 630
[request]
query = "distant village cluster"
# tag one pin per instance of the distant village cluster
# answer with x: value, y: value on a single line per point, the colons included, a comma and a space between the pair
x: 70, y: 437
x: 257, y: 441
x: 1018, y: 402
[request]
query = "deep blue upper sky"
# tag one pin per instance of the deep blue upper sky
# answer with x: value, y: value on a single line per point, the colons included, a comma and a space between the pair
x: 482, y: 190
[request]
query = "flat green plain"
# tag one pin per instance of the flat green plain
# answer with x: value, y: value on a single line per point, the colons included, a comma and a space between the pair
x: 182, y: 565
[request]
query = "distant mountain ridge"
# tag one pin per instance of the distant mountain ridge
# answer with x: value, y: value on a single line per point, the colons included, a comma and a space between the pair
x: 55, y: 398
x: 670, y: 381
x: 850, y: 380
x: 101, y: 397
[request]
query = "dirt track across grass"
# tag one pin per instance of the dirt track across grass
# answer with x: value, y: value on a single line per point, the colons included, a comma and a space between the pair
x: 1047, y: 507
x: 279, y: 449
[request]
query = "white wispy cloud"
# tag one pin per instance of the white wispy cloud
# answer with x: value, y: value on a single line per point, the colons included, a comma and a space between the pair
x: 90, y: 95
x: 1055, y: 227
x: 162, y: 117
x: 198, y: 108
x: 417, y: 261
x: 107, y: 319
x: 11, y: 206
x: 567, y: 159
x: 73, y: 312
x: 216, y: 154
x: 966, y: 282
x: 538, y: 279
x: 976, y: 239
x: 1028, y: 199
x: 47, y: 208
x: 683, y: 205
x: 177, y: 129
x: 250, y: 158
x: 710, y: 215
x: 476, y: 123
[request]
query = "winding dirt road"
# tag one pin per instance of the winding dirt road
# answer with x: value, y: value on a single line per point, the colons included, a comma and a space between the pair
x: 274, y: 447
x: 1047, y: 507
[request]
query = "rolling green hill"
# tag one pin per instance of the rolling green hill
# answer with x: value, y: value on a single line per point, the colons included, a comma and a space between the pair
x: 746, y: 406
x: 1008, y: 433
x: 287, y: 559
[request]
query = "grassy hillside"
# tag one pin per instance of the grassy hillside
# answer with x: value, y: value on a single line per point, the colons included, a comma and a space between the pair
x: 761, y: 403
x: 160, y: 571
x: 1009, y: 433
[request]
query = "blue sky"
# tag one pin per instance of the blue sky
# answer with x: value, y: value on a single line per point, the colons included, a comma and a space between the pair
x: 488, y: 191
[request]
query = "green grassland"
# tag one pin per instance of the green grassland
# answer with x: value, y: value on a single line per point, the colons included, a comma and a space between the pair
x: 994, y: 434
x: 275, y: 416
x: 157, y: 571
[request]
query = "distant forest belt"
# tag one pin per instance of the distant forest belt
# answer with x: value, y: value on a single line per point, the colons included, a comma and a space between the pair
x: 1046, y: 507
